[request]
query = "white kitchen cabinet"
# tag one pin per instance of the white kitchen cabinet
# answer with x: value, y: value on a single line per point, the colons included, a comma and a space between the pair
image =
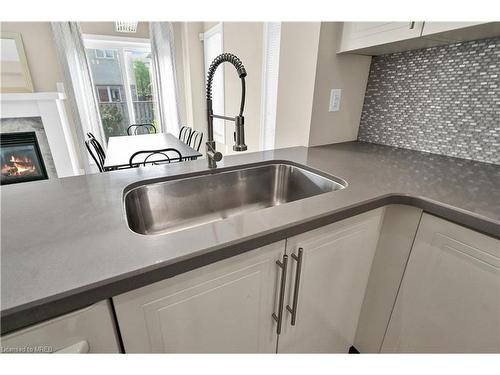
x: 224, y: 307
x: 452, y: 32
x: 336, y: 262
x: 449, y: 300
x: 228, y: 306
x: 431, y: 28
x: 359, y: 35
x: 89, y: 330
x: 379, y: 38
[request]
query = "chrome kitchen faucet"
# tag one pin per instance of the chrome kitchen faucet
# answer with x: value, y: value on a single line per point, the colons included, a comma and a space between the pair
x: 213, y: 155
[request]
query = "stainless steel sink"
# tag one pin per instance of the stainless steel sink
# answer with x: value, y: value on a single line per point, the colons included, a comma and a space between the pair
x: 173, y: 205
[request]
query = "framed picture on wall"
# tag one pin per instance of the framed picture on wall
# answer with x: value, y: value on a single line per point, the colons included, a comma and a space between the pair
x: 15, y: 74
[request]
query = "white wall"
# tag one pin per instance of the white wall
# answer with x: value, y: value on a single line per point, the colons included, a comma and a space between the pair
x: 347, y: 72
x: 298, y: 57
x: 309, y: 68
x: 40, y: 52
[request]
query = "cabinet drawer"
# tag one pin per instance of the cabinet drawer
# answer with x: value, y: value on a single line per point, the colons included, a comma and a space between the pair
x: 89, y: 330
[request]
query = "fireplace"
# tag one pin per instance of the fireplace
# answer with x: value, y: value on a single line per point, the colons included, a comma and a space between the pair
x: 21, y: 160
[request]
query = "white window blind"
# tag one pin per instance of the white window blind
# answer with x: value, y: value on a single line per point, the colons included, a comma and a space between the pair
x: 270, y: 75
x: 212, y: 47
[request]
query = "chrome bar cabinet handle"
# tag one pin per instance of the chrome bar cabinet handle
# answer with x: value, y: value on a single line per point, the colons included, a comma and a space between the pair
x: 279, y: 318
x: 293, y: 310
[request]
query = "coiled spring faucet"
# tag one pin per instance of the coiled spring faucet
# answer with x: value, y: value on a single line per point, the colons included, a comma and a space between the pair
x: 213, y: 155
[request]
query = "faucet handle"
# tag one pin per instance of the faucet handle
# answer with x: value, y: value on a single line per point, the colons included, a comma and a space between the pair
x: 217, y: 156
x: 212, y: 153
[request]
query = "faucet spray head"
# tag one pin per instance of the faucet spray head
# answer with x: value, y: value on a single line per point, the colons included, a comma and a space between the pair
x: 239, y: 134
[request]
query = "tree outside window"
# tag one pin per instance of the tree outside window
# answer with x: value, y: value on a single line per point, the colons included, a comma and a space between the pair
x: 142, y: 80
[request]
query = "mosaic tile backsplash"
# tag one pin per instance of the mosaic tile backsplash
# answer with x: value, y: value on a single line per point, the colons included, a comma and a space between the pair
x: 444, y: 100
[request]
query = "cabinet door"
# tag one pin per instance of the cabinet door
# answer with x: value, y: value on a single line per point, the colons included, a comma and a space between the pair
x: 358, y: 35
x: 431, y: 28
x: 89, y: 330
x: 336, y: 264
x: 449, y: 300
x: 220, y: 308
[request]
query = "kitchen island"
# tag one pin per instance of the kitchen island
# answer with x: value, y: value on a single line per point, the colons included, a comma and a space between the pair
x: 66, y: 243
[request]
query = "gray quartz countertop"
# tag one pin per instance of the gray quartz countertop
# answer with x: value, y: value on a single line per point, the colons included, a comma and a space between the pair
x: 65, y: 243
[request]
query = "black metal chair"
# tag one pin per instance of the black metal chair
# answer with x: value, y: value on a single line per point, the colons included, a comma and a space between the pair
x: 136, y: 129
x: 185, y: 134
x: 98, y: 154
x: 167, y: 159
x: 195, y: 139
x: 97, y: 146
x: 94, y: 156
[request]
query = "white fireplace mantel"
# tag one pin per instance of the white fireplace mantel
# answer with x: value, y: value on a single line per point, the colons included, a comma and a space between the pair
x: 50, y: 107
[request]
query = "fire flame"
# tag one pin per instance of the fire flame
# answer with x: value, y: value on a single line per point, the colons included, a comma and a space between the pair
x: 18, y: 166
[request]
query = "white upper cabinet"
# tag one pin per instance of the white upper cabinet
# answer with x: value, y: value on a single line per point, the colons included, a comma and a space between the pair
x: 329, y: 269
x: 359, y: 35
x: 440, y: 27
x: 377, y: 38
x: 449, y: 300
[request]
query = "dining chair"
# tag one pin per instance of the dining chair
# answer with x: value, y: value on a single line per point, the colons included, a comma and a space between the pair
x: 195, y: 139
x: 137, y: 129
x: 94, y: 156
x: 185, y: 134
x: 97, y: 153
x: 150, y: 153
x: 97, y: 145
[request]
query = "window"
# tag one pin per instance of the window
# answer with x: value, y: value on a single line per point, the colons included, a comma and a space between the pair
x: 107, y: 94
x: 104, y: 54
x: 212, y: 47
x: 121, y: 73
x: 115, y: 94
x: 102, y: 94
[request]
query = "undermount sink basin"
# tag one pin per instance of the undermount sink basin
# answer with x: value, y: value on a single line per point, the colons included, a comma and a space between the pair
x: 173, y: 205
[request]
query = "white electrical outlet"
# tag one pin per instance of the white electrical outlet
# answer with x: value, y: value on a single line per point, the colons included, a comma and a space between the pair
x: 335, y: 95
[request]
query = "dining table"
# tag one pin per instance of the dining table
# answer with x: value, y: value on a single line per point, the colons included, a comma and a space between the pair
x: 121, y: 148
